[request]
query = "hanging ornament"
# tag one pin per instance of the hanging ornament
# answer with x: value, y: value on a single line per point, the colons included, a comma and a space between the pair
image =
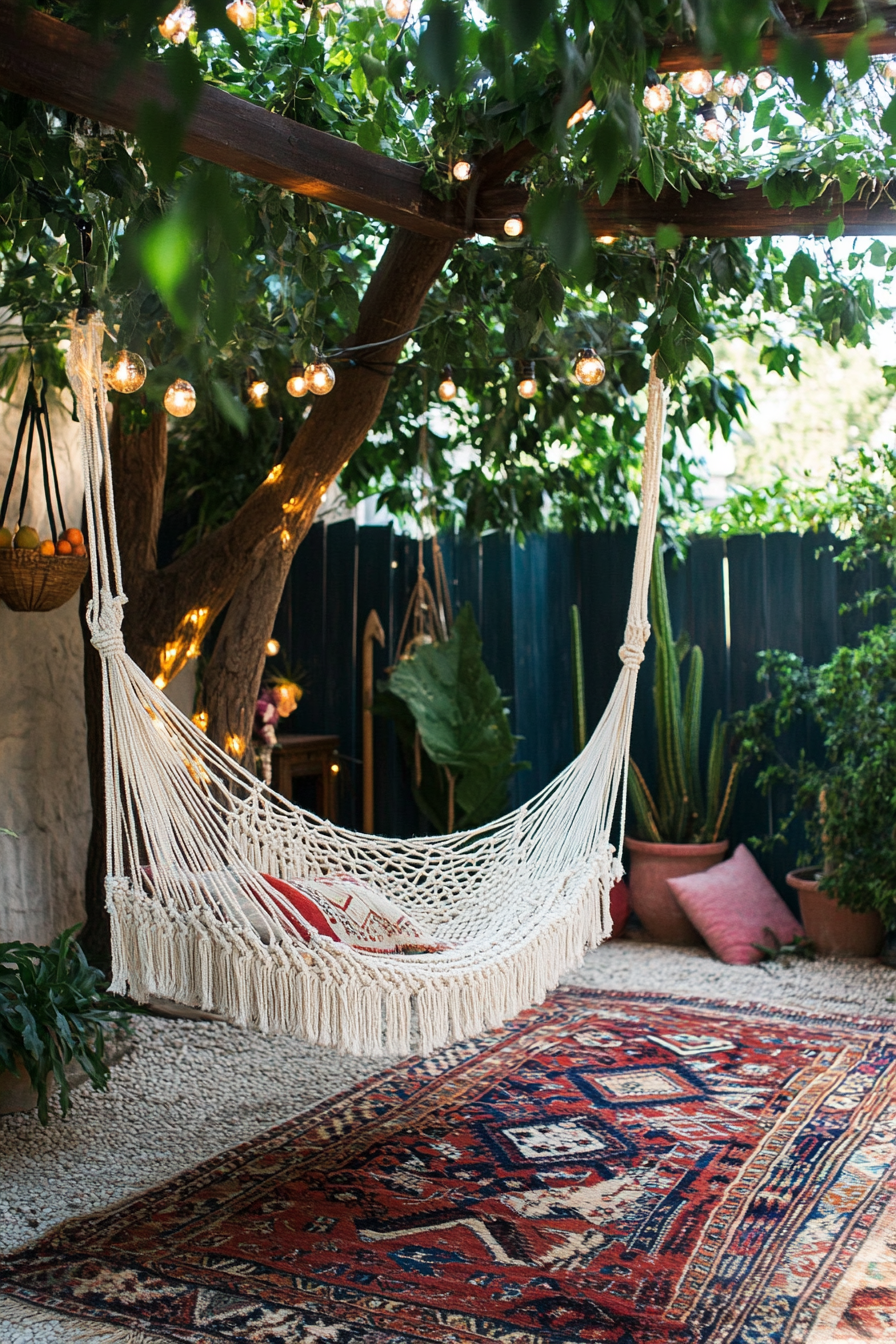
x: 320, y: 377
x: 447, y: 387
x: 243, y: 13
x: 514, y: 226
x: 272, y: 648
x: 527, y: 385
x: 590, y: 368
x: 712, y: 128
x: 124, y: 372
x: 257, y: 392
x: 462, y: 170
x: 734, y: 85
x: 657, y: 96
x: 180, y: 398
x: 696, y: 82
x: 763, y: 79
x: 177, y: 26
x: 295, y: 383
x: 398, y: 10
x: 581, y: 114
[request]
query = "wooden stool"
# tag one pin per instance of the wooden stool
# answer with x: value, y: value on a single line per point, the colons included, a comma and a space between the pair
x: 308, y: 755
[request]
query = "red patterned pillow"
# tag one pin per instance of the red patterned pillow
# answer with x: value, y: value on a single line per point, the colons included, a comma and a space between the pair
x: 351, y: 911
x: 306, y: 907
x: 735, y: 906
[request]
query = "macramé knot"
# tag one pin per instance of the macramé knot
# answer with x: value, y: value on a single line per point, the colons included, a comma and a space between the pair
x: 631, y: 655
x: 105, y: 633
x: 636, y: 636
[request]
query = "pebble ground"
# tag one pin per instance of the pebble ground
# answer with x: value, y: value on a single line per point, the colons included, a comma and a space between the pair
x: 190, y: 1089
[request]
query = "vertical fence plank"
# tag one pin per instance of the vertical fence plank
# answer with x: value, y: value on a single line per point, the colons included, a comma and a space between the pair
x: 706, y: 626
x: 375, y: 548
x: 340, y: 658
x: 304, y: 622
x: 748, y: 617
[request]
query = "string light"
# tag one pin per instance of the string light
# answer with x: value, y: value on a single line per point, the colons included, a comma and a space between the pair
x: 712, y: 127
x: 606, y: 238
x: 734, y: 85
x: 295, y: 383
x: 274, y: 474
x: 160, y: 682
x: 514, y: 226
x: 763, y: 79
x: 125, y: 372
x: 657, y: 96
x: 320, y: 378
x: 462, y: 170
x: 334, y: 769
x: 889, y: 71
x: 590, y: 368
x: 257, y: 392
x: 527, y: 385
x: 397, y: 10
x: 272, y: 648
x: 581, y: 114
x: 180, y: 398
x: 177, y: 26
x: 447, y: 387
x: 243, y: 13
x: 696, y: 82
x: 235, y: 745
x: 200, y: 718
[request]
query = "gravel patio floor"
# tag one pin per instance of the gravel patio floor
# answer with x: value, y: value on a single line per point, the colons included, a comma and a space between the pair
x: 191, y: 1089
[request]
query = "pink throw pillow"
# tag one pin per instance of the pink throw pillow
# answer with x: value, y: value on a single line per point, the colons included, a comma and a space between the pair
x: 734, y: 906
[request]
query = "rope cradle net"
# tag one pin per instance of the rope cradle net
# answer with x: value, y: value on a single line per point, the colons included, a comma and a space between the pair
x: 190, y: 833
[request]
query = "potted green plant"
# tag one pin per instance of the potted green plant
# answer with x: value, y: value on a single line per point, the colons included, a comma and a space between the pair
x: 847, y: 891
x: 54, y: 1015
x: 683, y: 828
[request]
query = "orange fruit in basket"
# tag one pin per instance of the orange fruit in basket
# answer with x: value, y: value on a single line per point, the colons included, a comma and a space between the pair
x: 79, y: 550
x: 5, y: 538
x: 48, y: 548
x: 26, y: 539
x: 73, y: 535
x: 63, y: 547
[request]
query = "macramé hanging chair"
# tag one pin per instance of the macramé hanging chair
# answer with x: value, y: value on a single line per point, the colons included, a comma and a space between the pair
x: 191, y: 836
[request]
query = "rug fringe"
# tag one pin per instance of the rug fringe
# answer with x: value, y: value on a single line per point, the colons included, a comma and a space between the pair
x: 76, y: 1331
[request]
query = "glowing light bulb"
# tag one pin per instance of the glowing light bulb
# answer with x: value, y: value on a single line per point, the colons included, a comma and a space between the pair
x: 160, y: 682
x: 447, y: 387
x: 320, y: 378
x: 243, y: 13
x: 180, y: 398
x: 889, y: 71
x: 657, y: 98
x: 712, y: 128
x: 272, y: 648
x: 200, y: 718
x: 696, y: 82
x: 581, y: 114
x: 590, y: 368
x: 274, y: 474
x: 334, y: 769
x: 398, y: 10
x: 234, y: 745
x: 606, y: 238
x: 527, y: 385
x: 462, y: 170
x: 124, y: 372
x: 295, y: 383
x: 257, y: 392
x: 763, y: 80
x: 734, y: 85
x: 514, y: 226
x: 177, y: 25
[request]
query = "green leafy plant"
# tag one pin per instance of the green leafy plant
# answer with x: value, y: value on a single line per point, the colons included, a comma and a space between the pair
x: 775, y: 950
x: 683, y: 812
x: 446, y: 694
x: 580, y: 729
x: 53, y: 1013
x: 846, y: 799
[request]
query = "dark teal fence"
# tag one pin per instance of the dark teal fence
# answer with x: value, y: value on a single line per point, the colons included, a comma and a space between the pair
x: 735, y: 598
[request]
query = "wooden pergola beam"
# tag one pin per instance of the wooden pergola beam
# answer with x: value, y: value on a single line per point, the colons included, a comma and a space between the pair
x: 743, y: 213
x: 45, y: 59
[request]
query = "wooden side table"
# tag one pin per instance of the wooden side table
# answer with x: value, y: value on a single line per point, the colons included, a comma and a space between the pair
x: 308, y: 756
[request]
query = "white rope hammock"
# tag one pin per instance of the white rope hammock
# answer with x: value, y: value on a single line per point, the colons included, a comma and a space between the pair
x: 190, y: 833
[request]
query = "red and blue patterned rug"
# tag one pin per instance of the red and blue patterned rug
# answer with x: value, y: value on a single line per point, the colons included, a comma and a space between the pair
x: 618, y: 1168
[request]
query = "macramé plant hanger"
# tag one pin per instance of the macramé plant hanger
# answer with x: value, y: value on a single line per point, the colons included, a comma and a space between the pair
x: 29, y: 579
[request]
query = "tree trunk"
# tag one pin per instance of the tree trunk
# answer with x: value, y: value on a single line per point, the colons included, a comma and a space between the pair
x: 245, y: 562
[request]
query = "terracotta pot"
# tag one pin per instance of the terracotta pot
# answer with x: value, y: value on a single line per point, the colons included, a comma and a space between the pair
x: 833, y: 929
x: 653, y: 900
x: 16, y: 1092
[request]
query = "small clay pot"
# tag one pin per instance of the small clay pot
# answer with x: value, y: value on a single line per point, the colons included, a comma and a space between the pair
x: 833, y: 929
x: 653, y: 900
x: 16, y: 1092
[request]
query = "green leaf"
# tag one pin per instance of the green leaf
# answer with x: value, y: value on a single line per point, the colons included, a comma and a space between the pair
x: 231, y: 408
x: 168, y: 257
x: 556, y: 218
x: 888, y: 120
x: 523, y: 19
x: 802, y: 267
x: 803, y: 60
x: 667, y: 237
x: 837, y: 227
x: 856, y: 57
x: 441, y: 45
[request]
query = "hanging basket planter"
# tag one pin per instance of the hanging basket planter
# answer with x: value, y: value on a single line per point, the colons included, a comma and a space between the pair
x: 30, y: 581
x: 38, y: 576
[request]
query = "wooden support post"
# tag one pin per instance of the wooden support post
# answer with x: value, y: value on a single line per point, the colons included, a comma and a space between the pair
x: 373, y: 630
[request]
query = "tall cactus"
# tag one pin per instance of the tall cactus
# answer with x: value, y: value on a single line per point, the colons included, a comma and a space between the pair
x: 681, y: 812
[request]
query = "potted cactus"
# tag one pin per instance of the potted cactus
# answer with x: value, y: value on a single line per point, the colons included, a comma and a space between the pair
x: 683, y: 828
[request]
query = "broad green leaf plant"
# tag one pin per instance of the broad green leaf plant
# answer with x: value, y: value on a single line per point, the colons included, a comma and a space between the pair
x: 683, y: 810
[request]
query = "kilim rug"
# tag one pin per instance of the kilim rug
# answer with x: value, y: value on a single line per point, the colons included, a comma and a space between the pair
x: 612, y: 1167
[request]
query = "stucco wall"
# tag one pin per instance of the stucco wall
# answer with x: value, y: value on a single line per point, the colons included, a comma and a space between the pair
x: 44, y: 792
